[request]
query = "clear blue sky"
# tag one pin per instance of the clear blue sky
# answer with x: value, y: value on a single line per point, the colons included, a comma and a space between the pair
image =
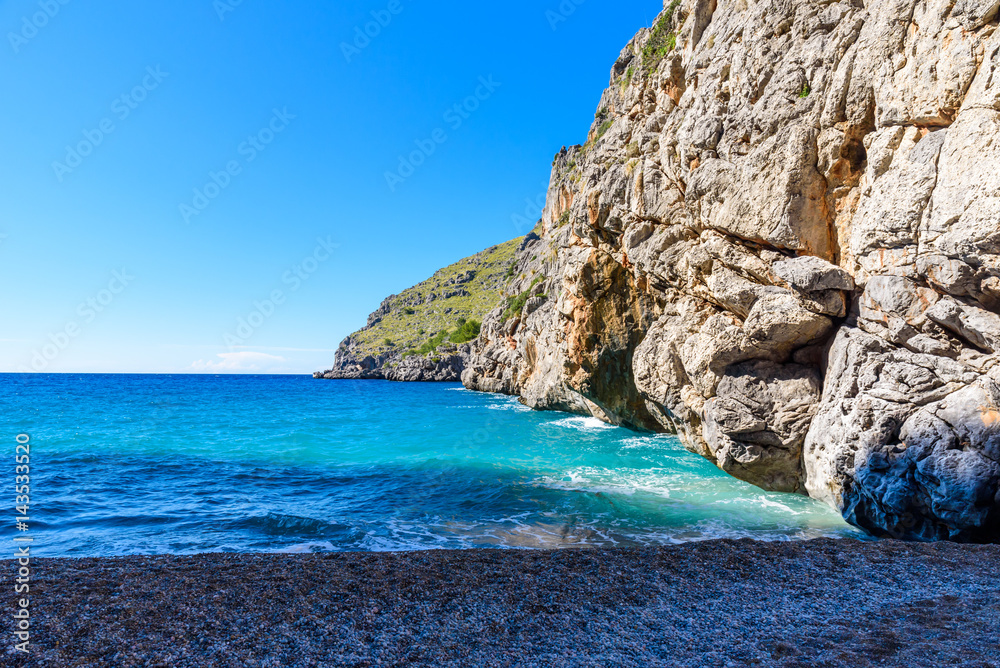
x: 183, y: 91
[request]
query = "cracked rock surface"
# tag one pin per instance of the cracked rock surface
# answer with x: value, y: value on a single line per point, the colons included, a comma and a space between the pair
x: 781, y: 241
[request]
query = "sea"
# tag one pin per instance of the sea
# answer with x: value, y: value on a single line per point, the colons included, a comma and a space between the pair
x: 184, y: 464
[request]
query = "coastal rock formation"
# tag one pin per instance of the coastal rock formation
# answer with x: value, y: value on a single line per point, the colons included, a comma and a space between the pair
x: 445, y: 364
x: 781, y: 241
x: 421, y: 334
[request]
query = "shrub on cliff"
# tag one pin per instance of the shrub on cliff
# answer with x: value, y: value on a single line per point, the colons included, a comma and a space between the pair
x: 467, y: 331
x: 662, y: 40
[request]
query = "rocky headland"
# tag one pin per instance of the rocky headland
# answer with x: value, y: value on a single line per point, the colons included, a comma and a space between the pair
x: 423, y: 333
x: 781, y: 241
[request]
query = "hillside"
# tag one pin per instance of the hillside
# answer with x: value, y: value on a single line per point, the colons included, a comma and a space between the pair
x: 422, y: 333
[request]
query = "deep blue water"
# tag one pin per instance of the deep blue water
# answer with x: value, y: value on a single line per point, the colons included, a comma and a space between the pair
x: 184, y: 464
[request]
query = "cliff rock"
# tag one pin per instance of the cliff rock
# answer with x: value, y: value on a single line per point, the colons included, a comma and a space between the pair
x: 781, y: 242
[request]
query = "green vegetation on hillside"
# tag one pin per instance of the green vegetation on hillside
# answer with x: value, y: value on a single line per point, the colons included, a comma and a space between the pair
x: 627, y: 80
x: 446, y: 308
x: 601, y: 131
x: 662, y: 41
x: 515, y: 304
x: 467, y: 331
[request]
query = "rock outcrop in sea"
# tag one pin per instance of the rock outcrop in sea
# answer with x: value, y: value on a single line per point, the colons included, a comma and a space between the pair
x: 781, y: 241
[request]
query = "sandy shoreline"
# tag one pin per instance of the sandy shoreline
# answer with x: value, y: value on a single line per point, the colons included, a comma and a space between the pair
x: 718, y: 603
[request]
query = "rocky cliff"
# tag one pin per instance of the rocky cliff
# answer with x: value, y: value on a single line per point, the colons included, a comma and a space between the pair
x: 781, y: 241
x: 422, y: 334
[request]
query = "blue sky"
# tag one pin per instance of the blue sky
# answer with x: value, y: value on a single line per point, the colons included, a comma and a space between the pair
x: 199, y: 186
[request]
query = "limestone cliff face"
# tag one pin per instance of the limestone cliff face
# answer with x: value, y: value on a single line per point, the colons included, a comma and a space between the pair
x: 782, y: 242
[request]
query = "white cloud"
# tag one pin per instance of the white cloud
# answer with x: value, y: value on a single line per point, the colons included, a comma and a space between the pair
x: 240, y: 362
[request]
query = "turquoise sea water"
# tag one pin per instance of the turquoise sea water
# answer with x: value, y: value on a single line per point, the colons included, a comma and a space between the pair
x: 184, y: 464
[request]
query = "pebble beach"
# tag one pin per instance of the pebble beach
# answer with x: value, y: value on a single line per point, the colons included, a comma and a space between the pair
x: 709, y: 604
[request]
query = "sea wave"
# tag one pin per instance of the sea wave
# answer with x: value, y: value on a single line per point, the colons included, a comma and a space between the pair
x: 283, y: 463
x: 277, y: 524
x: 511, y: 405
x: 585, y: 424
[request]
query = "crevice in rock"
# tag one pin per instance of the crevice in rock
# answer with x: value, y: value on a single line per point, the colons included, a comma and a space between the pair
x: 703, y: 14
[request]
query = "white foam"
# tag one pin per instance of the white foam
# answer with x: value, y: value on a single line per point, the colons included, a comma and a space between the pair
x: 585, y: 424
x: 657, y: 442
x: 306, y: 548
x: 590, y: 480
x: 509, y: 406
